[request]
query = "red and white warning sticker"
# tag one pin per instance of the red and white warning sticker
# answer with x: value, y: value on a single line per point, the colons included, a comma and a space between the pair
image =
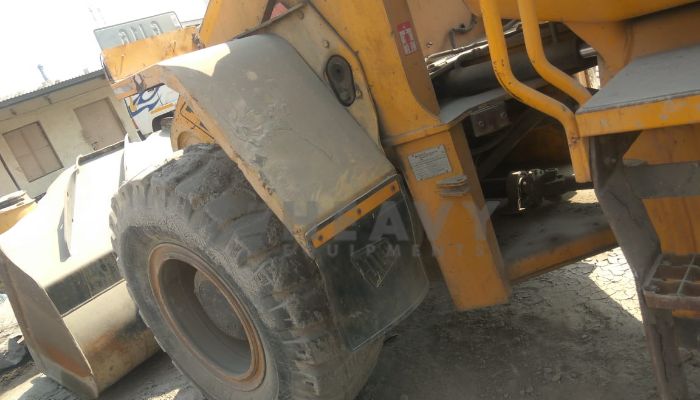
x: 408, y: 38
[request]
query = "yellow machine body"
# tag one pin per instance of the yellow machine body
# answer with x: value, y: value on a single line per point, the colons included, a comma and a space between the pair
x: 401, y: 105
x: 397, y: 118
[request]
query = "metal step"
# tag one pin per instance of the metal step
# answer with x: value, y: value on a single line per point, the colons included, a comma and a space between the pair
x: 674, y: 283
x: 654, y: 91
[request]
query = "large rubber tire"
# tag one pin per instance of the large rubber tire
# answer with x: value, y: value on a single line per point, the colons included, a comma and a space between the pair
x: 200, y: 201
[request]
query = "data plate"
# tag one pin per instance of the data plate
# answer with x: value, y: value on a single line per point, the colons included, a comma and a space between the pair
x: 430, y: 162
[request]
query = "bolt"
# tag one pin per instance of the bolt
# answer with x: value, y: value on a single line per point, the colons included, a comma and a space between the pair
x: 429, y: 44
x: 326, y: 43
x: 503, y: 115
x: 358, y: 93
x: 301, y: 15
x: 481, y: 124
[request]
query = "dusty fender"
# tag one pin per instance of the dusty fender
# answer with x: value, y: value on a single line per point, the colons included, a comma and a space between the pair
x: 73, y: 307
x: 302, y: 151
x: 316, y: 168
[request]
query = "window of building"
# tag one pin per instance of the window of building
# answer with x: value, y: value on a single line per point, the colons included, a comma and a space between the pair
x: 101, y: 126
x: 33, y: 152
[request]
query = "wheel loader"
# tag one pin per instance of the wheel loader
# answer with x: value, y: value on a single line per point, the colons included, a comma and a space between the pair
x: 325, y: 152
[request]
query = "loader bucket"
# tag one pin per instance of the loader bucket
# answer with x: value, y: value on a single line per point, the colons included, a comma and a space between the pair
x: 13, y: 207
x: 73, y: 307
x: 88, y: 348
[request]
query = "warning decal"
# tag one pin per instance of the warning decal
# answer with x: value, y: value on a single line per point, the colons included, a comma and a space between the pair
x: 408, y: 39
x: 430, y: 162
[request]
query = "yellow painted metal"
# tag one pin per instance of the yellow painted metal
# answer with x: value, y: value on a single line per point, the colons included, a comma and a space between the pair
x: 619, y: 42
x: 161, y: 108
x: 577, y: 11
x: 690, y: 314
x: 122, y: 62
x: 316, y: 41
x: 653, y: 146
x: 349, y: 217
x: 367, y: 34
x: 501, y: 64
x: 458, y: 225
x: 187, y: 129
x: 679, y: 27
x: 396, y: 140
x: 610, y: 40
x: 226, y: 19
x: 674, y: 218
x: 657, y: 114
x: 436, y: 18
x: 147, y: 78
x: 561, y: 254
x: 533, y: 43
x: 400, y: 84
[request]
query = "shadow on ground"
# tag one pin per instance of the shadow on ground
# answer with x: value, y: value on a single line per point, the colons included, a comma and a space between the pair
x: 570, y: 334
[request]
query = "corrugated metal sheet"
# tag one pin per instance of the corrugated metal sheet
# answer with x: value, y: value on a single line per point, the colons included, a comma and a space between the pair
x: 51, y: 88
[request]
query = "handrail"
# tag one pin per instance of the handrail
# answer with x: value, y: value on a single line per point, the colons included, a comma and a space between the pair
x: 498, y: 49
x: 538, y: 58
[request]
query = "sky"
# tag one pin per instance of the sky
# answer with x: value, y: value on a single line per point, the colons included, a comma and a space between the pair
x: 58, y: 35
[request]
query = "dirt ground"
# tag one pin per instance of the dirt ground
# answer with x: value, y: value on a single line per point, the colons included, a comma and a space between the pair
x: 574, y: 333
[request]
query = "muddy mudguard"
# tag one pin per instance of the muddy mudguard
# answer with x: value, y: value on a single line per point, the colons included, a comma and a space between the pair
x: 316, y: 168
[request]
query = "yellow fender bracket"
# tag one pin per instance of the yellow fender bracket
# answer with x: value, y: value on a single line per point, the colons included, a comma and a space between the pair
x: 124, y: 61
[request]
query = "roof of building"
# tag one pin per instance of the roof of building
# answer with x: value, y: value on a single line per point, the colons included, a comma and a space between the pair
x: 51, y: 88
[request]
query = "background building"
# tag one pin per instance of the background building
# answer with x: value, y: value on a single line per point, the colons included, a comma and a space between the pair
x: 43, y: 131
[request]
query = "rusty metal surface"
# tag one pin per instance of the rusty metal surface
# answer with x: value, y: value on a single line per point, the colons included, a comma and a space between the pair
x: 82, y: 328
x: 675, y: 283
x: 553, y: 234
x: 638, y: 238
x: 241, y: 359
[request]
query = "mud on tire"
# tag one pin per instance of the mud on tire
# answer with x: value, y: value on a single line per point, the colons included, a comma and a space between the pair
x: 199, y: 205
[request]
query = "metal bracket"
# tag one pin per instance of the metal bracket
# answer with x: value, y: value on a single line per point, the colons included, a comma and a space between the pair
x: 674, y: 283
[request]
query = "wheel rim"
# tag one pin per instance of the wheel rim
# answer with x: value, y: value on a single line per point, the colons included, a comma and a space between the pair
x: 172, y: 271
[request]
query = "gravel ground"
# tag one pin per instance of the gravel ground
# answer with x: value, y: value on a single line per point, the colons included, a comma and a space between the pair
x: 574, y: 333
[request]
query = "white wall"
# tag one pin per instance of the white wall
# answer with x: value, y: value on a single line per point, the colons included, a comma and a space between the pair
x: 54, y: 112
